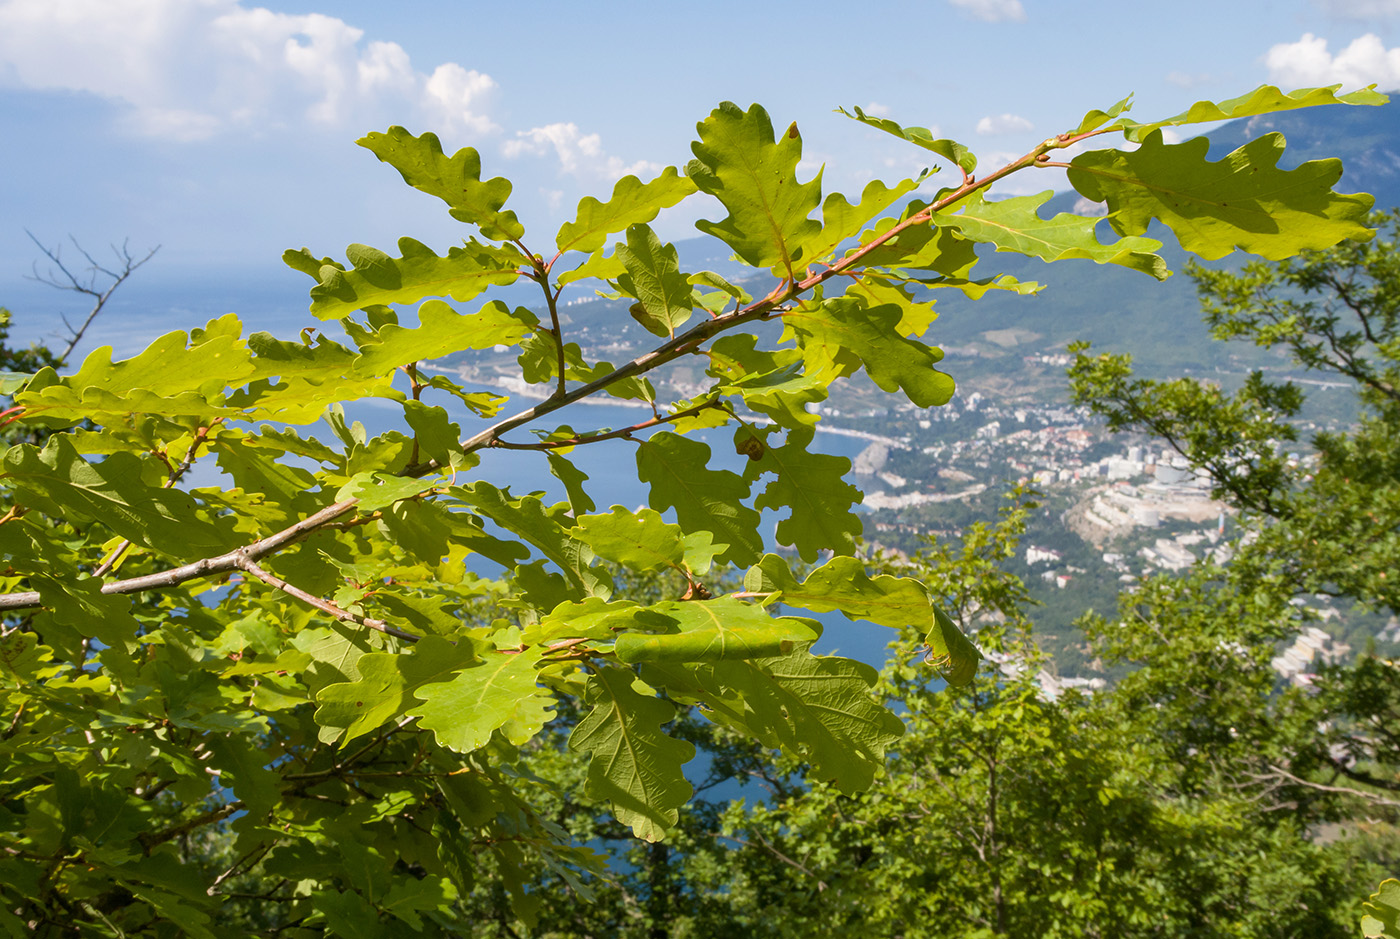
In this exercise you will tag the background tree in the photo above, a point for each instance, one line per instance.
(99, 283)
(290, 701)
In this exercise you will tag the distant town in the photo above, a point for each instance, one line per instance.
(1114, 508)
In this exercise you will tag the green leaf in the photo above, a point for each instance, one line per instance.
(919, 137)
(378, 278)
(755, 178)
(58, 481)
(385, 685)
(498, 692)
(546, 530)
(640, 540)
(1242, 201)
(1266, 99)
(80, 603)
(632, 202)
(1382, 916)
(481, 403)
(598, 265)
(634, 765)
(839, 334)
(677, 470)
(705, 630)
(711, 279)
(950, 650)
(842, 584)
(819, 709)
(842, 221)
(772, 382)
(812, 486)
(455, 180)
(380, 490)
(443, 331)
(573, 479)
(1015, 225)
(664, 295)
(437, 436)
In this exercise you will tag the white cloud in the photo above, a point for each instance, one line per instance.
(1359, 9)
(1003, 124)
(579, 154)
(877, 110)
(191, 69)
(992, 11)
(1307, 62)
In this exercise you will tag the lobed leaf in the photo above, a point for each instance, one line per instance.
(707, 630)
(755, 178)
(813, 488)
(819, 709)
(664, 295)
(496, 693)
(677, 470)
(632, 202)
(838, 335)
(919, 137)
(549, 531)
(637, 540)
(634, 765)
(384, 686)
(455, 180)
(1015, 225)
(58, 481)
(378, 278)
(842, 584)
(1266, 99)
(1241, 201)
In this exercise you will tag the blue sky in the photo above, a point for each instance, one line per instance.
(223, 130)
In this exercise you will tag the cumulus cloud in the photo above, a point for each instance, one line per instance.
(1003, 124)
(192, 70)
(1359, 9)
(875, 109)
(992, 11)
(1307, 62)
(579, 154)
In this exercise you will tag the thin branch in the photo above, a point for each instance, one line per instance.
(251, 567)
(199, 821)
(581, 439)
(176, 472)
(129, 265)
(225, 563)
(1276, 771)
(795, 865)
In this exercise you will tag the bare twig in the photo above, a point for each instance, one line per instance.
(1278, 772)
(126, 266)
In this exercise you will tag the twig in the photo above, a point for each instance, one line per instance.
(251, 567)
(581, 439)
(1374, 799)
(225, 563)
(129, 266)
(175, 473)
